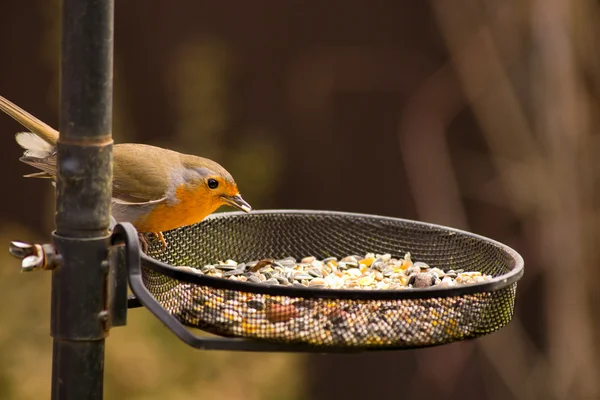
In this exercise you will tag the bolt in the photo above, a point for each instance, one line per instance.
(103, 316)
(105, 266)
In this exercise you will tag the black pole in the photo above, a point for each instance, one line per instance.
(84, 175)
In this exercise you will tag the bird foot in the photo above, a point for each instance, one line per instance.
(145, 243)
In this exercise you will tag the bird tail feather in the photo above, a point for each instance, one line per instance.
(34, 146)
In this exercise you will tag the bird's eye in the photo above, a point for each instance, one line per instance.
(213, 183)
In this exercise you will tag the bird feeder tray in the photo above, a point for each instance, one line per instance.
(280, 318)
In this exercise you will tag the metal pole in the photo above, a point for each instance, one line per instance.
(83, 192)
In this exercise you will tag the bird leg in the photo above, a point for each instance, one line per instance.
(160, 237)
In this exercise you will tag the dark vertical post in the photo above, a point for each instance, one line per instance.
(84, 176)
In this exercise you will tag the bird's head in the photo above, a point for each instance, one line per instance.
(211, 186)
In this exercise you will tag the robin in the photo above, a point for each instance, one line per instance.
(153, 188)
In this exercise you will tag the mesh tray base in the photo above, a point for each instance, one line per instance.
(325, 317)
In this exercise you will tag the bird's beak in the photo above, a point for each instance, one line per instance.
(237, 202)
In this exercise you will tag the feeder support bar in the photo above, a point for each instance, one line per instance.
(83, 193)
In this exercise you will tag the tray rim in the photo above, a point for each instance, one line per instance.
(497, 283)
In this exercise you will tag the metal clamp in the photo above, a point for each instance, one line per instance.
(45, 257)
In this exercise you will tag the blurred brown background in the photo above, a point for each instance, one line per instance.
(482, 115)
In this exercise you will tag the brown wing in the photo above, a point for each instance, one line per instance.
(141, 172)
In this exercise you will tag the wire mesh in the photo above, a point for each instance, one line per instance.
(327, 317)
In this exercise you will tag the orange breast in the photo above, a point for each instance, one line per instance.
(192, 207)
